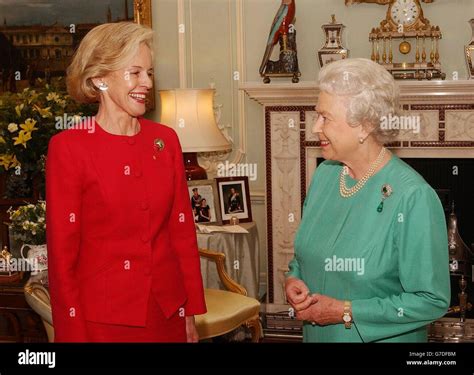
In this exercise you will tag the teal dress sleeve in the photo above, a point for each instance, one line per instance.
(294, 269)
(420, 238)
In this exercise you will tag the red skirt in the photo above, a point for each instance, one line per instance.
(157, 329)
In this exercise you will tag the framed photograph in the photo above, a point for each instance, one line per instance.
(234, 198)
(38, 39)
(204, 202)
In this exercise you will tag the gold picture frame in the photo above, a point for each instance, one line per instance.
(142, 12)
(142, 16)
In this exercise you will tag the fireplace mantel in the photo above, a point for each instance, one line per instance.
(446, 113)
(307, 92)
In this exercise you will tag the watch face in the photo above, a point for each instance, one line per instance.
(405, 12)
(346, 318)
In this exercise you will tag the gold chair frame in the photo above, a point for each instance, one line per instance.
(253, 323)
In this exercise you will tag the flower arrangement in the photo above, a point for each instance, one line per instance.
(28, 120)
(28, 223)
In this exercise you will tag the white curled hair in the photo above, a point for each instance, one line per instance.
(371, 92)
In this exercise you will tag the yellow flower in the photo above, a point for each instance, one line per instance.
(45, 113)
(12, 127)
(22, 138)
(52, 96)
(15, 162)
(61, 102)
(29, 125)
(2, 140)
(18, 109)
(8, 161)
(33, 97)
(5, 161)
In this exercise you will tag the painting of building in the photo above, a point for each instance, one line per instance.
(36, 47)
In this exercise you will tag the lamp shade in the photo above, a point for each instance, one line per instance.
(190, 113)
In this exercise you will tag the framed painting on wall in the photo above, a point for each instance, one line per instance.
(39, 40)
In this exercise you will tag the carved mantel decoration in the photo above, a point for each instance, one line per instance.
(446, 112)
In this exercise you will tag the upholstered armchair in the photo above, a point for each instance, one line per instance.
(227, 309)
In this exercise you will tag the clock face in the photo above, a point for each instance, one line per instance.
(405, 12)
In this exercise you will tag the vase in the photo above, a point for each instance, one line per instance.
(37, 258)
(470, 52)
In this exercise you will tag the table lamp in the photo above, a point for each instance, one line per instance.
(190, 113)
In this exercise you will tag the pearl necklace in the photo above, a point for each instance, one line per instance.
(344, 191)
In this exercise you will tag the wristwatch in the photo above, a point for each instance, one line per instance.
(347, 317)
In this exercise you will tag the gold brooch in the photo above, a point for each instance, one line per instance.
(159, 144)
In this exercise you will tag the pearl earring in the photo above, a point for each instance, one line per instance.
(361, 140)
(103, 86)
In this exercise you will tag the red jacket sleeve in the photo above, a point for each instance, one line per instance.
(183, 237)
(63, 218)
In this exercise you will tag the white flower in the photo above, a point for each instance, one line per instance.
(12, 127)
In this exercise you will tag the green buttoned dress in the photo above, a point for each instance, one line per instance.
(392, 265)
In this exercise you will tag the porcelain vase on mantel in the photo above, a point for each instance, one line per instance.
(470, 52)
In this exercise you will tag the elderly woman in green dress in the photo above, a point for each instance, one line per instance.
(371, 253)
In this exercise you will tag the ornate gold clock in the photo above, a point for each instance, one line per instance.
(417, 55)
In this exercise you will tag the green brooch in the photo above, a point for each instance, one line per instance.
(386, 192)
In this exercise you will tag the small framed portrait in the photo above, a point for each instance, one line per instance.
(234, 198)
(204, 202)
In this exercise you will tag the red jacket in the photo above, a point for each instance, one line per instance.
(119, 227)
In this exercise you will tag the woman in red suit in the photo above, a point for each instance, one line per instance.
(123, 258)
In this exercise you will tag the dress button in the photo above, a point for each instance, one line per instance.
(131, 141)
(144, 206)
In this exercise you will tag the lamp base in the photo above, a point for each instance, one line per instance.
(193, 170)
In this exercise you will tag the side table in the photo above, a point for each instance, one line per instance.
(242, 258)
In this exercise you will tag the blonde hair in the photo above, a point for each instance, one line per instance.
(105, 49)
(371, 92)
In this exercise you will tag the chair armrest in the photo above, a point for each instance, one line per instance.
(219, 258)
(37, 296)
